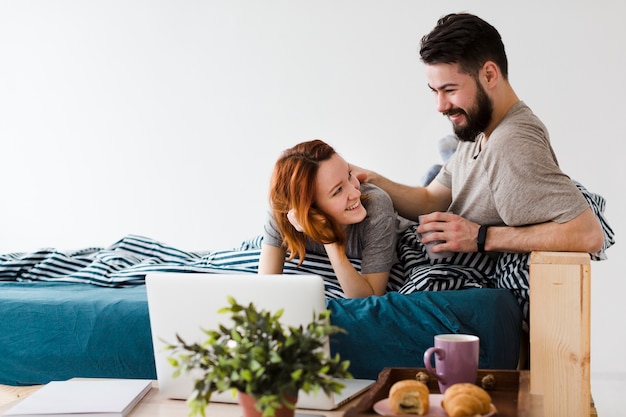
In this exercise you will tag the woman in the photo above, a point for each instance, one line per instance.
(319, 207)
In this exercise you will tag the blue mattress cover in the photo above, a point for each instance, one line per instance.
(56, 331)
(396, 329)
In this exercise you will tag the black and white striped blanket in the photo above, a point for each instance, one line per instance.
(126, 262)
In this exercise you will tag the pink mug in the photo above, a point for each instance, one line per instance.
(456, 359)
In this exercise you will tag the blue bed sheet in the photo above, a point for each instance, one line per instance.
(396, 329)
(57, 330)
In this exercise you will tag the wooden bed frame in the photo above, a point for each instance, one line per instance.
(560, 327)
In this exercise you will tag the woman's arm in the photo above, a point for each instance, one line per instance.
(354, 284)
(272, 260)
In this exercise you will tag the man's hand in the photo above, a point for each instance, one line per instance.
(458, 234)
(363, 175)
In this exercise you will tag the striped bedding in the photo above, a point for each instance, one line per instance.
(126, 262)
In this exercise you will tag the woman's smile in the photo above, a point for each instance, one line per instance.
(354, 206)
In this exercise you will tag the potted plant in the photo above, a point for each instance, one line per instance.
(260, 357)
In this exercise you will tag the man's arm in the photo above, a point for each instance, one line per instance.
(409, 201)
(581, 234)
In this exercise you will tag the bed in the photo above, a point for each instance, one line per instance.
(84, 314)
(58, 330)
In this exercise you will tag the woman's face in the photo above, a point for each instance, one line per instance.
(338, 194)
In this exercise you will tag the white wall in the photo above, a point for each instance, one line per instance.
(164, 118)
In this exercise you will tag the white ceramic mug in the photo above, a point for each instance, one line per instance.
(429, 245)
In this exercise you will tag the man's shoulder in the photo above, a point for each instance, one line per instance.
(521, 123)
(521, 113)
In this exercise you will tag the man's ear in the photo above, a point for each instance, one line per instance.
(490, 73)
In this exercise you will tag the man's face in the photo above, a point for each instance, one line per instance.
(460, 98)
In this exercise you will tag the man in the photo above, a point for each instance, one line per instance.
(502, 190)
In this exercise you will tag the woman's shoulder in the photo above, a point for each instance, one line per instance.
(375, 196)
(371, 189)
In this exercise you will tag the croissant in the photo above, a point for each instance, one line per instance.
(465, 399)
(409, 396)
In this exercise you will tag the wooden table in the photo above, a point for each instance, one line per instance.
(155, 405)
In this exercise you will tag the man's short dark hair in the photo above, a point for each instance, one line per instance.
(464, 39)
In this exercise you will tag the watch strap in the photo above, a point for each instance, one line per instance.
(482, 237)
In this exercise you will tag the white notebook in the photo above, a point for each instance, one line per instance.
(83, 398)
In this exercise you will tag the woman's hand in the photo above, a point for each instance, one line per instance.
(291, 216)
(314, 216)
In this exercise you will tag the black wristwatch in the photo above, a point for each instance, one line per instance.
(482, 236)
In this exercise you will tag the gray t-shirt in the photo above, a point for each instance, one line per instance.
(515, 180)
(373, 240)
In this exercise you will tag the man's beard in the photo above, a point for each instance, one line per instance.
(478, 118)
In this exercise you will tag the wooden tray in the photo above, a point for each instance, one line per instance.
(504, 391)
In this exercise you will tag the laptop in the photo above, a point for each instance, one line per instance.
(185, 303)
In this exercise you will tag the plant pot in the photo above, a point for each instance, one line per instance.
(248, 406)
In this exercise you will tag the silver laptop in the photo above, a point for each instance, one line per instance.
(186, 303)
